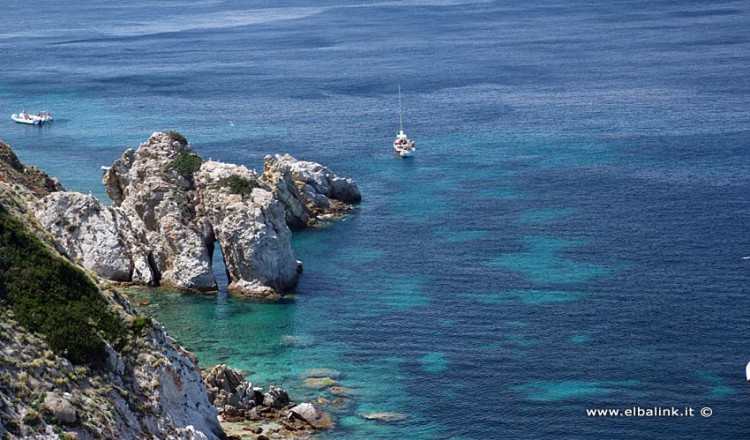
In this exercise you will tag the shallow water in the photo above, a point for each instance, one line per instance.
(570, 234)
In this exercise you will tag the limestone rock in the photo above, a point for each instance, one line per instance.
(117, 178)
(224, 378)
(276, 398)
(151, 389)
(28, 178)
(171, 207)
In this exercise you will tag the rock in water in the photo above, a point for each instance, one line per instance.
(250, 226)
(308, 189)
(171, 208)
(313, 415)
(318, 383)
(276, 398)
(385, 416)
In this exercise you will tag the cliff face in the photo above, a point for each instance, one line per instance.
(75, 357)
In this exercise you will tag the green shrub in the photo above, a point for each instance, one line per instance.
(237, 184)
(177, 136)
(52, 297)
(140, 323)
(185, 164)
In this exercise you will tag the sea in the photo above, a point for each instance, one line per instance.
(572, 234)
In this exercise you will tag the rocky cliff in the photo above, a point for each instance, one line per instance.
(171, 208)
(76, 360)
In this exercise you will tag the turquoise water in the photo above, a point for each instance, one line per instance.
(570, 234)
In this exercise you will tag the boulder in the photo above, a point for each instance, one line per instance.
(223, 378)
(276, 398)
(61, 408)
(313, 415)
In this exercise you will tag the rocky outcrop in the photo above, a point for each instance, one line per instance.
(154, 189)
(249, 225)
(61, 408)
(240, 402)
(171, 209)
(308, 189)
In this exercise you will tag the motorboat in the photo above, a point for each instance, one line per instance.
(38, 119)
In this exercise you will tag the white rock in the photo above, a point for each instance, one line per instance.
(88, 231)
(251, 230)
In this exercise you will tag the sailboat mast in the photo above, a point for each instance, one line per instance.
(400, 111)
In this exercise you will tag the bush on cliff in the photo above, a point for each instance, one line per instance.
(177, 136)
(52, 297)
(237, 184)
(185, 164)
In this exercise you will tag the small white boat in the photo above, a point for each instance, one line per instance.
(37, 119)
(747, 371)
(403, 146)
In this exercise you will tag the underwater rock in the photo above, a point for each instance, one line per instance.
(384, 416)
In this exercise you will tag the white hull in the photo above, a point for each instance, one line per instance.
(29, 121)
(409, 152)
(747, 371)
(37, 119)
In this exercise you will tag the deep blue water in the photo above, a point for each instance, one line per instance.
(571, 234)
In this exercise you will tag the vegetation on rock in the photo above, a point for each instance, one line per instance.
(237, 184)
(177, 136)
(52, 297)
(186, 164)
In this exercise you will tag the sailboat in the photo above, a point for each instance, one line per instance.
(403, 145)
